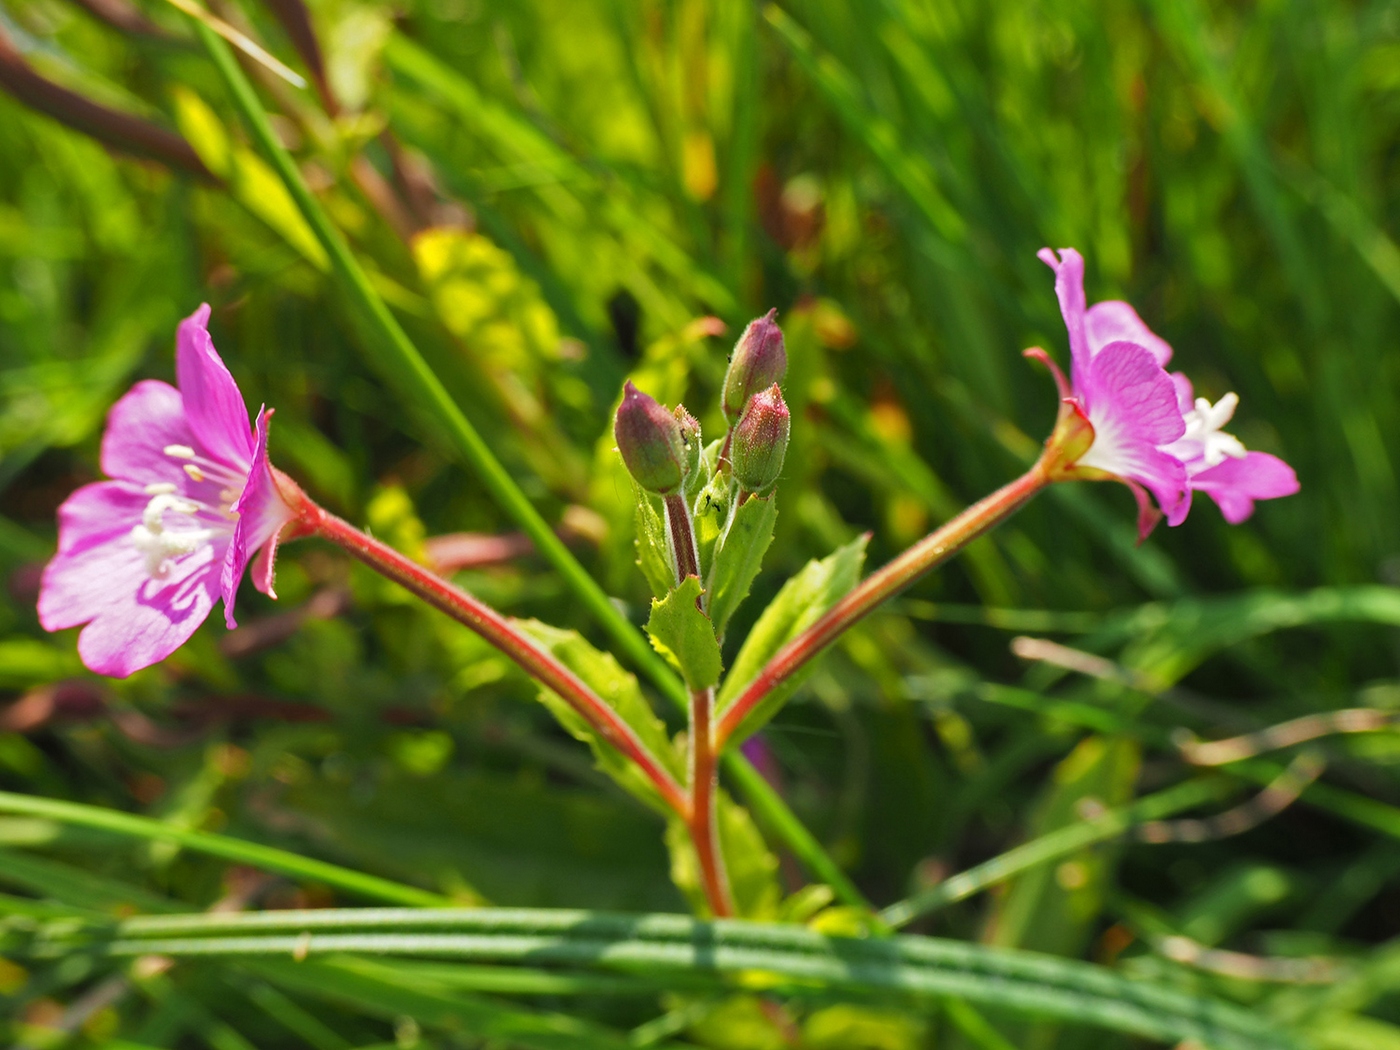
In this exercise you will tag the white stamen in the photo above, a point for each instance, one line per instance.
(160, 488)
(1203, 424)
(160, 544)
(155, 510)
(194, 472)
(179, 451)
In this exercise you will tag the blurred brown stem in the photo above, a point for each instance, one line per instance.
(120, 15)
(121, 131)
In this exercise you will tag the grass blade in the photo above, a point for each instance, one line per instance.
(267, 858)
(794, 957)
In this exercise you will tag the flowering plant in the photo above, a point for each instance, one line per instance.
(193, 497)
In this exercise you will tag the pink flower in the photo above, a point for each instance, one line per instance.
(1218, 464)
(142, 558)
(1143, 427)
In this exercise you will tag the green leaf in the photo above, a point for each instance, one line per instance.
(739, 557)
(251, 180)
(78, 887)
(203, 129)
(1168, 640)
(1052, 908)
(255, 854)
(803, 599)
(384, 991)
(683, 635)
(751, 867)
(653, 555)
(792, 958)
(619, 689)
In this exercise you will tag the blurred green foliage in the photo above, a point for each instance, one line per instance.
(555, 196)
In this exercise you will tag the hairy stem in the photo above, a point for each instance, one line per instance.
(685, 555)
(536, 661)
(878, 587)
(704, 831)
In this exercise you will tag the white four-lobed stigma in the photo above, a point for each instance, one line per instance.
(1203, 424)
(160, 541)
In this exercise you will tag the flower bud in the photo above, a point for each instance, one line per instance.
(651, 442)
(759, 361)
(759, 441)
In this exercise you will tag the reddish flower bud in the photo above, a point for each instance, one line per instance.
(759, 441)
(651, 442)
(759, 360)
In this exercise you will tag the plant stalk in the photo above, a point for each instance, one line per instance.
(704, 830)
(685, 555)
(879, 587)
(399, 360)
(500, 632)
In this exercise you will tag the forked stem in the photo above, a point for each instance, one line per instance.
(881, 585)
(533, 659)
(702, 771)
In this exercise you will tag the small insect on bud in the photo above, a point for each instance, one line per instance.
(760, 441)
(759, 361)
(651, 442)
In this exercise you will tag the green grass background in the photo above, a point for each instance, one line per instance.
(603, 176)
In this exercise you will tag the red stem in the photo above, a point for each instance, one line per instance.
(537, 662)
(879, 586)
(704, 832)
(682, 537)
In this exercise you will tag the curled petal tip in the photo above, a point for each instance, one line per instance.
(1062, 384)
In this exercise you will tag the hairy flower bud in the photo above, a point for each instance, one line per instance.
(759, 441)
(759, 361)
(651, 442)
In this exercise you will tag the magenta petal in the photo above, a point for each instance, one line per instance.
(213, 404)
(148, 419)
(1127, 383)
(99, 578)
(1185, 392)
(1115, 322)
(1069, 289)
(95, 517)
(147, 619)
(1236, 483)
(1148, 515)
(261, 514)
(1163, 475)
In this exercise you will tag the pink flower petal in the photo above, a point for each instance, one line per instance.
(1185, 392)
(261, 514)
(1236, 483)
(148, 619)
(1069, 289)
(148, 419)
(1117, 322)
(1148, 514)
(213, 405)
(98, 577)
(96, 516)
(1127, 383)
